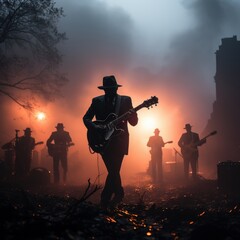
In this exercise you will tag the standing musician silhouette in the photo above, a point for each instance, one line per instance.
(117, 146)
(189, 143)
(156, 144)
(24, 147)
(59, 151)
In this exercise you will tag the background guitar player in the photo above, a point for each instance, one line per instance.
(189, 143)
(59, 151)
(156, 144)
(24, 146)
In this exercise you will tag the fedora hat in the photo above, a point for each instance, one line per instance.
(59, 125)
(188, 125)
(109, 82)
(27, 130)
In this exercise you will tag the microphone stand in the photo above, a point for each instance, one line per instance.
(176, 162)
(177, 153)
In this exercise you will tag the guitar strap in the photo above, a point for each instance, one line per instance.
(117, 108)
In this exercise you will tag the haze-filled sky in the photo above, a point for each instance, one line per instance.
(163, 48)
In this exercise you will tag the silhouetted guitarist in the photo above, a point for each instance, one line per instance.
(189, 143)
(58, 144)
(156, 144)
(113, 153)
(23, 147)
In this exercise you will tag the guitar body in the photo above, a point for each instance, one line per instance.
(189, 150)
(98, 139)
(53, 149)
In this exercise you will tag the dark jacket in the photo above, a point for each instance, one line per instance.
(155, 143)
(61, 140)
(25, 146)
(100, 110)
(189, 143)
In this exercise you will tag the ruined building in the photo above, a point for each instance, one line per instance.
(225, 117)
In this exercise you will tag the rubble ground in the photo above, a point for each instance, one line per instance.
(196, 211)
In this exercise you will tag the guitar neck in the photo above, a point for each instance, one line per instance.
(210, 134)
(126, 115)
(205, 137)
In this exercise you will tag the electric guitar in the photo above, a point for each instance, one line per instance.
(152, 151)
(189, 149)
(38, 143)
(58, 149)
(98, 140)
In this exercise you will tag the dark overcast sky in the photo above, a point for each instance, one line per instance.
(131, 40)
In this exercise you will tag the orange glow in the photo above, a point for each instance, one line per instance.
(169, 116)
(148, 123)
(40, 116)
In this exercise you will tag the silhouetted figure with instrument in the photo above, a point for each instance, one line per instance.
(105, 139)
(58, 144)
(156, 144)
(24, 146)
(189, 143)
(9, 155)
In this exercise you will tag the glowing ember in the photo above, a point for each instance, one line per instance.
(201, 214)
(148, 233)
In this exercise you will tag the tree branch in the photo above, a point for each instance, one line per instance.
(28, 107)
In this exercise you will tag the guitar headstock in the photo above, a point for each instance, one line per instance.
(148, 103)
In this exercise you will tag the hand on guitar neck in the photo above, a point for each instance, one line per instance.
(131, 111)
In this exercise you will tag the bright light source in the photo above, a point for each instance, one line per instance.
(148, 123)
(40, 116)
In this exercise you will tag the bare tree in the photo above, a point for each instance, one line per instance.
(29, 57)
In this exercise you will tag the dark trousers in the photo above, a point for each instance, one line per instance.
(22, 166)
(113, 184)
(63, 159)
(193, 160)
(157, 169)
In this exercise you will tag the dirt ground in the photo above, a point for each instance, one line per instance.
(198, 210)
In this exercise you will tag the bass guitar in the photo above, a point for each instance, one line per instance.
(189, 149)
(98, 140)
